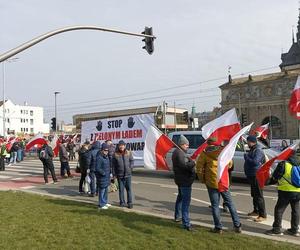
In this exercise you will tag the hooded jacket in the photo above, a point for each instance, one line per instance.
(95, 149)
(84, 159)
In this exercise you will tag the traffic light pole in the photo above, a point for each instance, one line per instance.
(38, 39)
(55, 114)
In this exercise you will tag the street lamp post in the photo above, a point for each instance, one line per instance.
(3, 91)
(55, 114)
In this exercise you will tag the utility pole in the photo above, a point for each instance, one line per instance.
(55, 114)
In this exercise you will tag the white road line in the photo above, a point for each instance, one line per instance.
(5, 177)
(26, 170)
(27, 187)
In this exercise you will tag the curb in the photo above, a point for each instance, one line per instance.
(202, 224)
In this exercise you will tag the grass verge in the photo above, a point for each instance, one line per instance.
(30, 221)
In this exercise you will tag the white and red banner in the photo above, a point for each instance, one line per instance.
(131, 129)
(263, 174)
(226, 156)
(223, 128)
(294, 104)
(36, 140)
(55, 144)
(261, 131)
(156, 147)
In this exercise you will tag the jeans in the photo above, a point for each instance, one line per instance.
(214, 196)
(13, 158)
(19, 155)
(103, 197)
(93, 182)
(48, 165)
(64, 166)
(82, 180)
(284, 199)
(258, 197)
(125, 183)
(2, 163)
(182, 205)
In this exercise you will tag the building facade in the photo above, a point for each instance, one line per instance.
(22, 119)
(264, 98)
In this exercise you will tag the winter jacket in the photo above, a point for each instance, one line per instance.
(102, 170)
(253, 160)
(63, 154)
(84, 159)
(184, 168)
(3, 152)
(48, 151)
(95, 149)
(122, 163)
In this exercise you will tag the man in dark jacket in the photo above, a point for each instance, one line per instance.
(84, 163)
(122, 163)
(46, 156)
(253, 161)
(102, 172)
(184, 174)
(95, 149)
(64, 160)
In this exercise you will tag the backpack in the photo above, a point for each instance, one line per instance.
(43, 155)
(295, 176)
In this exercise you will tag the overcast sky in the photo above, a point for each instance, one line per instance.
(196, 41)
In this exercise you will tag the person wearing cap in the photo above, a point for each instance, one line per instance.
(102, 171)
(253, 161)
(122, 163)
(207, 172)
(288, 194)
(184, 176)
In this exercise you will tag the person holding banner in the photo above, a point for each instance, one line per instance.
(287, 194)
(207, 171)
(253, 161)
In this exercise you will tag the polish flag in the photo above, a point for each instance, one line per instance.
(294, 104)
(55, 145)
(10, 143)
(38, 139)
(74, 138)
(263, 173)
(226, 156)
(223, 128)
(261, 131)
(156, 147)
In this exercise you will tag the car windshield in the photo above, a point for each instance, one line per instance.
(194, 140)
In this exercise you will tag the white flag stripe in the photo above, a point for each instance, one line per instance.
(228, 118)
(150, 145)
(227, 153)
(297, 85)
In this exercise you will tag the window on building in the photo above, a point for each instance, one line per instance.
(8, 120)
(26, 112)
(31, 130)
(21, 129)
(26, 120)
(21, 111)
(31, 112)
(26, 129)
(31, 121)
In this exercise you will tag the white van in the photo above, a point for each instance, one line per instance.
(195, 139)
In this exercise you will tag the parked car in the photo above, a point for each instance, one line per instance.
(195, 138)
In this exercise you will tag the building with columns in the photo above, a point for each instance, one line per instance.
(264, 98)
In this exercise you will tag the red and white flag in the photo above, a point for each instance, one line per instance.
(261, 131)
(156, 147)
(226, 156)
(223, 128)
(294, 104)
(10, 143)
(38, 139)
(74, 138)
(55, 145)
(263, 173)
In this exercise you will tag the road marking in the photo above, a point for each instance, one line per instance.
(5, 177)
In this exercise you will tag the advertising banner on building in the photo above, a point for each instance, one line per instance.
(131, 129)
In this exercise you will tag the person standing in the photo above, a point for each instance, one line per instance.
(46, 156)
(95, 150)
(288, 194)
(207, 171)
(3, 154)
(84, 163)
(253, 161)
(184, 176)
(13, 153)
(122, 163)
(64, 161)
(102, 172)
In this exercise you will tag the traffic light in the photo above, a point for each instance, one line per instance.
(185, 116)
(149, 41)
(53, 124)
(244, 118)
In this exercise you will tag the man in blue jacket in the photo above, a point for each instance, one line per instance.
(102, 172)
(253, 161)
